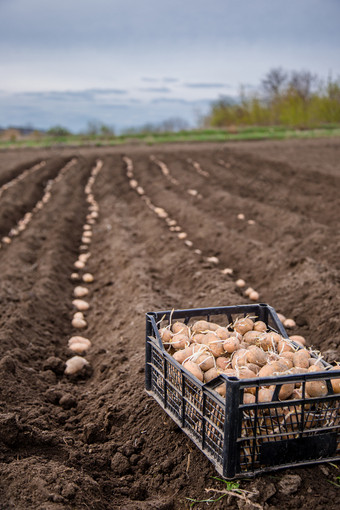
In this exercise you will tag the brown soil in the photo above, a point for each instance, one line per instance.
(107, 444)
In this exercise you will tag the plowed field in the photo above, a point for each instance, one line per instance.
(96, 440)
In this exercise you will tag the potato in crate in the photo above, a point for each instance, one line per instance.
(250, 398)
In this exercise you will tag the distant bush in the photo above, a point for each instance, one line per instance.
(171, 125)
(299, 100)
(58, 131)
(95, 128)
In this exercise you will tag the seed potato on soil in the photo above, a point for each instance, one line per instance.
(111, 446)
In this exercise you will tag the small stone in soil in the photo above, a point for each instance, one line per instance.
(67, 401)
(289, 484)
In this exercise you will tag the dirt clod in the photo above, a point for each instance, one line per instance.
(67, 401)
(9, 428)
(120, 464)
(54, 364)
(289, 484)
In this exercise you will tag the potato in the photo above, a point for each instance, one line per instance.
(287, 355)
(231, 345)
(298, 370)
(206, 361)
(222, 333)
(285, 346)
(230, 372)
(223, 363)
(79, 348)
(88, 278)
(289, 323)
(200, 326)
(75, 364)
(254, 295)
(260, 326)
(316, 368)
(301, 358)
(179, 327)
(243, 325)
(265, 394)
(239, 358)
(80, 292)
(182, 354)
(298, 339)
(179, 341)
(269, 341)
(335, 382)
(317, 362)
(194, 369)
(289, 364)
(254, 368)
(297, 394)
(81, 305)
(286, 391)
(79, 323)
(257, 356)
(272, 369)
(248, 291)
(252, 337)
(209, 375)
(165, 335)
(249, 398)
(240, 283)
(221, 390)
(198, 338)
(78, 315)
(213, 326)
(215, 345)
(245, 373)
(316, 388)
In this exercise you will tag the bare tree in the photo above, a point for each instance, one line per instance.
(274, 81)
(303, 83)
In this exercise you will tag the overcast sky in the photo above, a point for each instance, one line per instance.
(126, 62)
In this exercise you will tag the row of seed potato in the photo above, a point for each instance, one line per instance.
(27, 218)
(80, 344)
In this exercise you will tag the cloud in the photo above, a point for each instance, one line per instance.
(150, 80)
(176, 100)
(180, 101)
(170, 80)
(87, 94)
(160, 90)
(206, 85)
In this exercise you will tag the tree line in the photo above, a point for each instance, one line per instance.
(298, 99)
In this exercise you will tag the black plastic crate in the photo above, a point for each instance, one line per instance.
(240, 439)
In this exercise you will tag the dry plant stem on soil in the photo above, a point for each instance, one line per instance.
(232, 490)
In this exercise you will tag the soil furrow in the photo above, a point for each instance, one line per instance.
(97, 440)
(22, 197)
